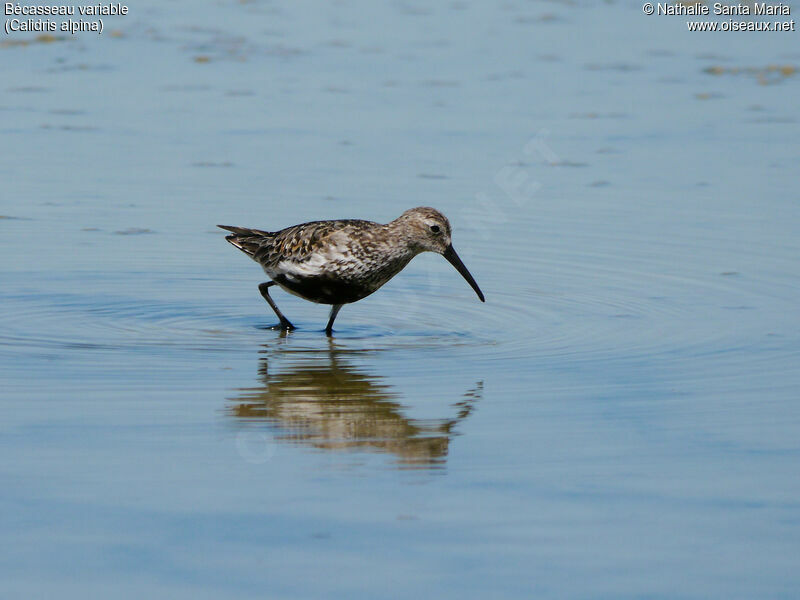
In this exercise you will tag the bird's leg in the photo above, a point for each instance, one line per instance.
(334, 312)
(264, 289)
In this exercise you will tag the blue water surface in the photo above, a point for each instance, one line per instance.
(620, 418)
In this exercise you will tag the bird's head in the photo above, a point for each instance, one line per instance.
(428, 230)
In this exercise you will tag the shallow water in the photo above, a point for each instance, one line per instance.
(620, 418)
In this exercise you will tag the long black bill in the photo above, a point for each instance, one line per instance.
(452, 258)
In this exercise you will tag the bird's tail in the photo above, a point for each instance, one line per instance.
(246, 240)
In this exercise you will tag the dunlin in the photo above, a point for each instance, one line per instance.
(339, 262)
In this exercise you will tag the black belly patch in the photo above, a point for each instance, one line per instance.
(324, 290)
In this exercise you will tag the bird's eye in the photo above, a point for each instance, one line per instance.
(435, 228)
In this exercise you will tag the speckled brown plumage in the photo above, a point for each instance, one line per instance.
(343, 261)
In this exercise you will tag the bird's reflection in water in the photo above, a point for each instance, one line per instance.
(324, 402)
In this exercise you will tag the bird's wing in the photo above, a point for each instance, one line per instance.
(305, 248)
(299, 247)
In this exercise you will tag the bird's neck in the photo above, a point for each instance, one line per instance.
(401, 238)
